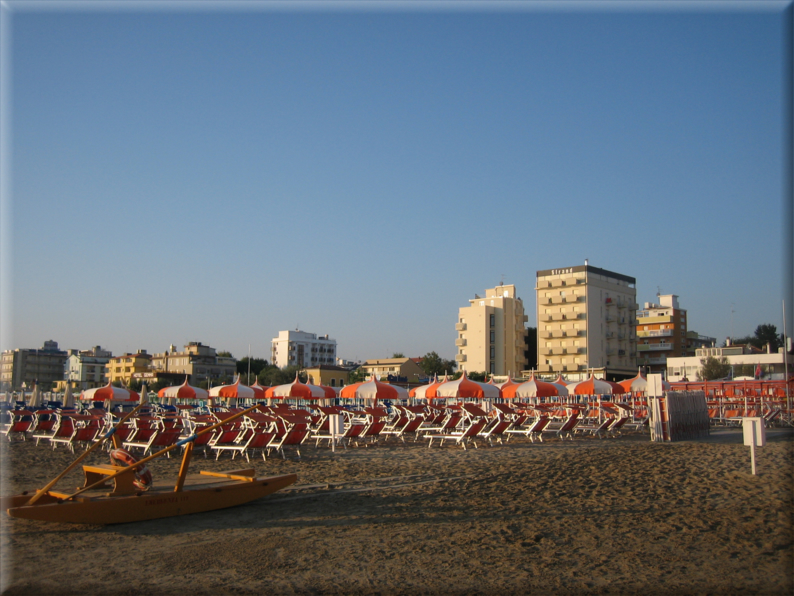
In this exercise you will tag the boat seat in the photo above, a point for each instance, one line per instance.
(122, 484)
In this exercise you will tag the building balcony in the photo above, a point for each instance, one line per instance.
(460, 326)
(460, 357)
(541, 316)
(647, 361)
(570, 299)
(460, 342)
(654, 347)
(559, 351)
(545, 351)
(557, 283)
(557, 333)
(573, 367)
(609, 302)
(655, 333)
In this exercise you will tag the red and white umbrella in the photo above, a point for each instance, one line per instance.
(183, 391)
(639, 384)
(233, 391)
(374, 390)
(465, 387)
(593, 386)
(259, 390)
(295, 390)
(533, 388)
(109, 393)
(330, 392)
(421, 391)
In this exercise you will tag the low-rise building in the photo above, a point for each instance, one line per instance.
(404, 370)
(661, 333)
(22, 368)
(298, 348)
(128, 366)
(86, 369)
(197, 361)
(745, 361)
(329, 375)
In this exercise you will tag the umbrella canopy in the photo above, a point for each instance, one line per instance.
(233, 391)
(640, 384)
(373, 389)
(533, 388)
(421, 391)
(68, 396)
(295, 390)
(508, 383)
(465, 387)
(593, 386)
(35, 397)
(259, 390)
(330, 392)
(109, 393)
(183, 391)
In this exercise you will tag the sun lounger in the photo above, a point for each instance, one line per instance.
(496, 430)
(461, 438)
(567, 427)
(293, 436)
(534, 430)
(160, 439)
(614, 429)
(21, 423)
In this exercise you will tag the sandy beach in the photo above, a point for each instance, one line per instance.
(611, 516)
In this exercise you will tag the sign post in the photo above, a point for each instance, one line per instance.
(754, 436)
(336, 428)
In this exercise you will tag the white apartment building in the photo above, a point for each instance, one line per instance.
(586, 322)
(492, 333)
(85, 369)
(298, 348)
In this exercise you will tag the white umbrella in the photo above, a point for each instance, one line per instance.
(68, 396)
(144, 394)
(35, 398)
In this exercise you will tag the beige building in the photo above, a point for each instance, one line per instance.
(586, 319)
(400, 369)
(299, 348)
(123, 368)
(492, 333)
(198, 361)
(329, 375)
(23, 368)
(661, 334)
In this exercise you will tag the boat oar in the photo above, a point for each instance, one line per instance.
(162, 452)
(71, 467)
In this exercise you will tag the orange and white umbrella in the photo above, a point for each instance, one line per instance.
(374, 390)
(465, 387)
(183, 391)
(593, 386)
(639, 384)
(109, 393)
(421, 391)
(532, 388)
(295, 390)
(233, 391)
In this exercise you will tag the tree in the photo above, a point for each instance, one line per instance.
(712, 368)
(767, 334)
(257, 364)
(357, 375)
(224, 354)
(433, 364)
(273, 375)
(398, 355)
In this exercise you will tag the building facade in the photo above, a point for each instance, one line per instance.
(743, 360)
(197, 361)
(329, 375)
(298, 348)
(405, 370)
(22, 368)
(586, 318)
(492, 333)
(127, 366)
(86, 369)
(661, 334)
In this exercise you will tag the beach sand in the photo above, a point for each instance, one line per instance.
(611, 516)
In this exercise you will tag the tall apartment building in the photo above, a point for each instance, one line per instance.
(298, 348)
(85, 369)
(661, 333)
(197, 361)
(23, 367)
(586, 318)
(492, 333)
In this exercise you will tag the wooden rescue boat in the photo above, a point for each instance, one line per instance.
(126, 502)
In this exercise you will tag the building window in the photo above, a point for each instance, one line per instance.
(493, 336)
(493, 321)
(493, 352)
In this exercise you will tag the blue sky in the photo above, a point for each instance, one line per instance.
(217, 175)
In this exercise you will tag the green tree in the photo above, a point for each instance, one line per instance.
(357, 375)
(433, 364)
(767, 334)
(712, 368)
(224, 354)
(257, 364)
(398, 355)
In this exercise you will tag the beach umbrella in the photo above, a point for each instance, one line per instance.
(533, 388)
(419, 392)
(639, 384)
(109, 393)
(144, 397)
(68, 396)
(234, 391)
(593, 386)
(463, 388)
(374, 390)
(35, 397)
(508, 383)
(259, 390)
(330, 392)
(183, 391)
(295, 390)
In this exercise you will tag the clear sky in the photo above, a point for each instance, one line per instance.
(207, 173)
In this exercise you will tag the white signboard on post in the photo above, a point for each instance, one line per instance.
(655, 388)
(754, 436)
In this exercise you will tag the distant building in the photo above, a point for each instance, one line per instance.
(298, 348)
(745, 362)
(661, 333)
(329, 375)
(21, 368)
(123, 368)
(86, 369)
(695, 341)
(197, 361)
(492, 333)
(404, 370)
(586, 318)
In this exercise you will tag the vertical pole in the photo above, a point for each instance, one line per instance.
(752, 448)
